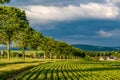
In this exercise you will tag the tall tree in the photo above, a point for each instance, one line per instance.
(51, 44)
(34, 41)
(11, 20)
(22, 39)
(45, 45)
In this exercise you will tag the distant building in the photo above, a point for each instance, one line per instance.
(101, 58)
(111, 58)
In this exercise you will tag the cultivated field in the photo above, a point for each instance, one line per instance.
(72, 70)
(16, 66)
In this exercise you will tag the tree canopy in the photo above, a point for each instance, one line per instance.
(4, 1)
(11, 21)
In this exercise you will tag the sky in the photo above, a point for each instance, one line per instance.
(92, 22)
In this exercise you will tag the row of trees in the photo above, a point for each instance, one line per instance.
(14, 27)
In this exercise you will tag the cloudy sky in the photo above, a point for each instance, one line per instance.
(94, 22)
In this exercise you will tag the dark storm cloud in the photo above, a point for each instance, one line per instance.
(93, 22)
(86, 31)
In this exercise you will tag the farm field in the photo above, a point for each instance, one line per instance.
(16, 65)
(59, 40)
(72, 70)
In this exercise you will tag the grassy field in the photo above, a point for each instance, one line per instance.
(66, 70)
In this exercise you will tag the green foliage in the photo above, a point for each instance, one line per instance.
(9, 22)
(58, 49)
(35, 39)
(87, 57)
(96, 58)
(12, 20)
(16, 54)
(96, 55)
(22, 38)
(4, 1)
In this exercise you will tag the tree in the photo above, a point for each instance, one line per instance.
(22, 39)
(35, 40)
(51, 45)
(4, 1)
(60, 49)
(11, 21)
(48, 44)
(44, 45)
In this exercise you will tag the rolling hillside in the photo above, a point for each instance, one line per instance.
(81, 46)
(95, 48)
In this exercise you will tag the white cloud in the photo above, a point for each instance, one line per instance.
(45, 14)
(45, 27)
(105, 34)
(113, 1)
(113, 33)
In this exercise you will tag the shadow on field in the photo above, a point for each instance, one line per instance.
(10, 63)
(4, 75)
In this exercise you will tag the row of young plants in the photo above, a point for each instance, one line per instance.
(9, 72)
(73, 70)
(11, 68)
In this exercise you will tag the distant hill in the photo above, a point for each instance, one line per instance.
(81, 46)
(95, 48)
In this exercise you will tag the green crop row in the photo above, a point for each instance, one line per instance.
(73, 70)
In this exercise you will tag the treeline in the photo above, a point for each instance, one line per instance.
(101, 53)
(95, 55)
(14, 27)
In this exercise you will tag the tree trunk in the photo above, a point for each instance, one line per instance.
(56, 56)
(44, 55)
(63, 56)
(67, 57)
(8, 50)
(60, 57)
(23, 51)
(35, 55)
(50, 55)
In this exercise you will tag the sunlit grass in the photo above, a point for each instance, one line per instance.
(8, 68)
(12, 60)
